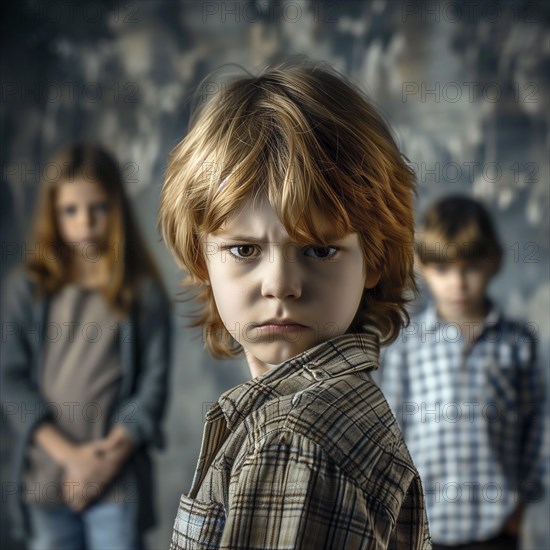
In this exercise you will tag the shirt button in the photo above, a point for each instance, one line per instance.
(320, 374)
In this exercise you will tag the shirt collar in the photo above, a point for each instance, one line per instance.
(340, 355)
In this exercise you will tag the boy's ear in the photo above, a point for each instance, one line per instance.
(372, 278)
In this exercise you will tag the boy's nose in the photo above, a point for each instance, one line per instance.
(459, 280)
(281, 278)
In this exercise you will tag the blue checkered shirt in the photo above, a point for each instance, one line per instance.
(472, 418)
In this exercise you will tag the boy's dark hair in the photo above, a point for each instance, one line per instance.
(457, 228)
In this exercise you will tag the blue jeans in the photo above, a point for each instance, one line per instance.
(101, 526)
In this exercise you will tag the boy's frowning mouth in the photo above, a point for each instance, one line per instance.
(279, 322)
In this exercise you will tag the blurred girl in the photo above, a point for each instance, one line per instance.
(84, 362)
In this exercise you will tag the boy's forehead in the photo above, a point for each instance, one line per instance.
(258, 218)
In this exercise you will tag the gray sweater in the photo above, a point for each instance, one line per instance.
(144, 350)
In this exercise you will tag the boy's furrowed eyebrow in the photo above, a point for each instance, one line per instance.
(248, 238)
(241, 238)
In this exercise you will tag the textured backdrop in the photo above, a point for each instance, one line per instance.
(464, 84)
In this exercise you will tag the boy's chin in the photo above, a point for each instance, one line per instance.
(460, 305)
(276, 352)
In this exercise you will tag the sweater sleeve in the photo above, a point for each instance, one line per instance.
(142, 412)
(22, 402)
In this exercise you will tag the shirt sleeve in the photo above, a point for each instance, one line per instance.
(411, 529)
(533, 456)
(290, 494)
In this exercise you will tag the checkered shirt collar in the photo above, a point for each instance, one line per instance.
(338, 356)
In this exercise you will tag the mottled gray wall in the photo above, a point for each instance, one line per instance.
(465, 86)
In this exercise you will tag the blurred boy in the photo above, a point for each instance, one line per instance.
(465, 388)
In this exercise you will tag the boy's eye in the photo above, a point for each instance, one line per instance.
(246, 251)
(69, 210)
(441, 268)
(323, 252)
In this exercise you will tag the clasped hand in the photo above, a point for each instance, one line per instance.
(90, 467)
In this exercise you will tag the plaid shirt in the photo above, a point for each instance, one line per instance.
(307, 455)
(472, 418)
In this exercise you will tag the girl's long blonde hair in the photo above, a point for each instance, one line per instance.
(126, 254)
(310, 140)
